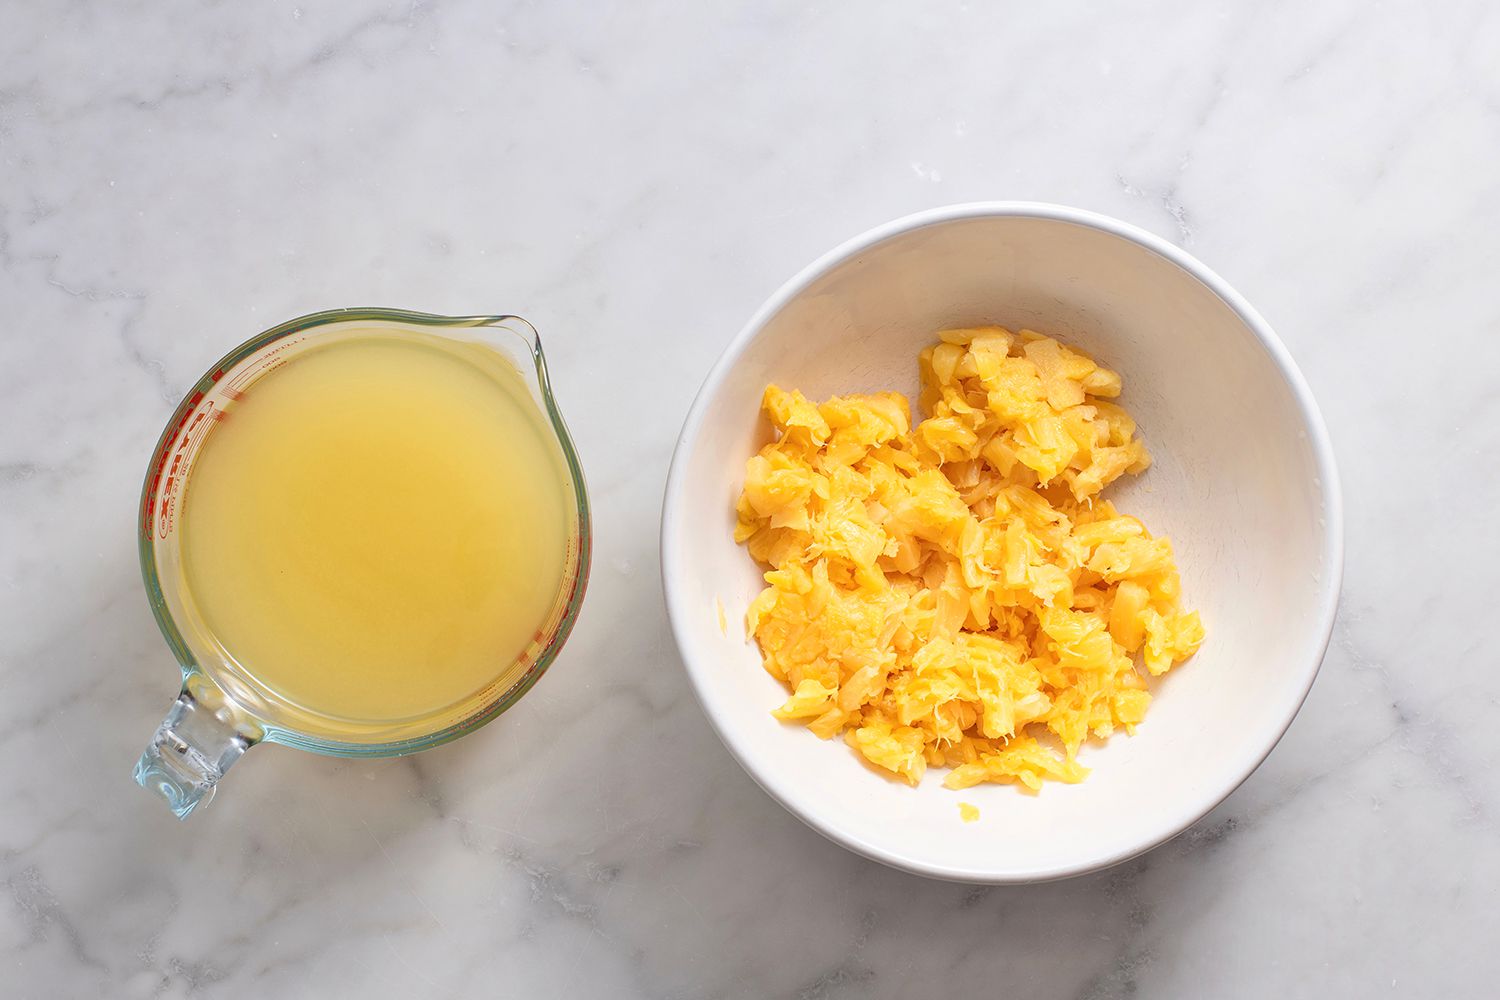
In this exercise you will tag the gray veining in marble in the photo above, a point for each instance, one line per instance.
(635, 179)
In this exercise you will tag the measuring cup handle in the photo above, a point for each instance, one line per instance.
(190, 752)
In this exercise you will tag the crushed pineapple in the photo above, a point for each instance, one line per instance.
(968, 812)
(945, 594)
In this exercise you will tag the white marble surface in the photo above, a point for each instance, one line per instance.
(175, 177)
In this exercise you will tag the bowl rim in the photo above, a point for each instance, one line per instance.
(1312, 419)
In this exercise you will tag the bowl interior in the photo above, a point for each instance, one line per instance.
(1236, 484)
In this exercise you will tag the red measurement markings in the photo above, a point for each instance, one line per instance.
(161, 463)
(184, 443)
(272, 359)
(187, 444)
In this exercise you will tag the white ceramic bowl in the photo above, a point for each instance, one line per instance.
(1243, 482)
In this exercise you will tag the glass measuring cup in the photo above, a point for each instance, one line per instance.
(223, 709)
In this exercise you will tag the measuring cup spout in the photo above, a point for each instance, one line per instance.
(190, 752)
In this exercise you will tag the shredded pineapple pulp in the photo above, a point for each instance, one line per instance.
(946, 593)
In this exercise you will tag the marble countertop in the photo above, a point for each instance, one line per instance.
(635, 180)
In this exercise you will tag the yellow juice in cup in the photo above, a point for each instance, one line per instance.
(363, 532)
(374, 529)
